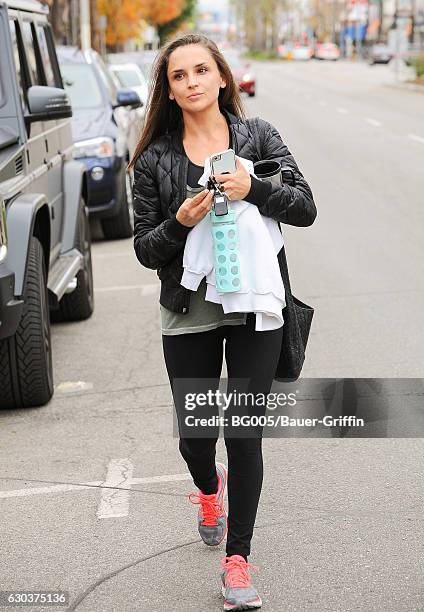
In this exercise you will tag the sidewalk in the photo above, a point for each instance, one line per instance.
(403, 78)
(405, 86)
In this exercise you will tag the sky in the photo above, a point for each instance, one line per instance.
(213, 5)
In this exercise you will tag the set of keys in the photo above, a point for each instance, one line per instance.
(220, 200)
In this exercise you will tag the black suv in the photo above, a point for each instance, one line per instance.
(45, 249)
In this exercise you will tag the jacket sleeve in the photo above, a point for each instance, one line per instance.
(156, 240)
(285, 203)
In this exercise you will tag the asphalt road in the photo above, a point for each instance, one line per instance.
(339, 525)
(360, 144)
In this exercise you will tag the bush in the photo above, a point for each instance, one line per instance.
(418, 63)
(262, 55)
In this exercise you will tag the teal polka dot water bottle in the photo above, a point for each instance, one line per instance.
(226, 254)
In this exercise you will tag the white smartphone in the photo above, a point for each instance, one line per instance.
(224, 162)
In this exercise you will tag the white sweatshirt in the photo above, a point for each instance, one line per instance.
(260, 240)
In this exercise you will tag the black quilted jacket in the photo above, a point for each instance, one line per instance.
(160, 179)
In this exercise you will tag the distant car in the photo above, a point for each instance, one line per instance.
(302, 52)
(100, 128)
(243, 73)
(380, 54)
(284, 50)
(130, 75)
(295, 51)
(143, 59)
(327, 51)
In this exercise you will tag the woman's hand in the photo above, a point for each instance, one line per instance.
(192, 210)
(236, 185)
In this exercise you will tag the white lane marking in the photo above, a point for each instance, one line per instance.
(416, 138)
(342, 111)
(115, 503)
(145, 289)
(70, 386)
(88, 485)
(373, 122)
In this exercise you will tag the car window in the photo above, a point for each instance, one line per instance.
(109, 81)
(128, 77)
(34, 68)
(19, 69)
(81, 85)
(147, 69)
(45, 56)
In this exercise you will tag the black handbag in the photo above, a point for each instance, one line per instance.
(297, 324)
(297, 315)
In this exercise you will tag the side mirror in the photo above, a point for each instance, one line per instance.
(47, 103)
(128, 97)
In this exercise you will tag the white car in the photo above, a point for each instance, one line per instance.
(327, 51)
(130, 75)
(295, 51)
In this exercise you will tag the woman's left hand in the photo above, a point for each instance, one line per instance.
(237, 184)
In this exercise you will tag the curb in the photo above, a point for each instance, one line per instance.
(405, 87)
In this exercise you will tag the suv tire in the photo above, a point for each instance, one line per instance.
(26, 370)
(79, 304)
(120, 225)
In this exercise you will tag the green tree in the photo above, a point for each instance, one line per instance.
(260, 20)
(166, 30)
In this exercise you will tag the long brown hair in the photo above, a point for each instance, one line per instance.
(164, 115)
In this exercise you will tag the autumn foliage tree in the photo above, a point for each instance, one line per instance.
(159, 12)
(124, 16)
(172, 27)
(123, 20)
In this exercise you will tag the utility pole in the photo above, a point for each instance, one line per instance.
(85, 24)
(74, 22)
(380, 19)
(413, 15)
(395, 27)
(333, 24)
(102, 28)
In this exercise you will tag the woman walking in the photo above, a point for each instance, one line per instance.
(195, 111)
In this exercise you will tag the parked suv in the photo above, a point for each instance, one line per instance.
(101, 124)
(45, 249)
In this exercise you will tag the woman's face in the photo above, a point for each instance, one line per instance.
(192, 70)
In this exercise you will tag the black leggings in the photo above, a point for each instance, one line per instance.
(251, 355)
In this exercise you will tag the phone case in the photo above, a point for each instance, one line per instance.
(227, 163)
(226, 254)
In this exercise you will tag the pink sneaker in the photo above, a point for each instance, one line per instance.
(211, 517)
(239, 594)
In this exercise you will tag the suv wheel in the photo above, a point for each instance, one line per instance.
(26, 370)
(79, 304)
(120, 226)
